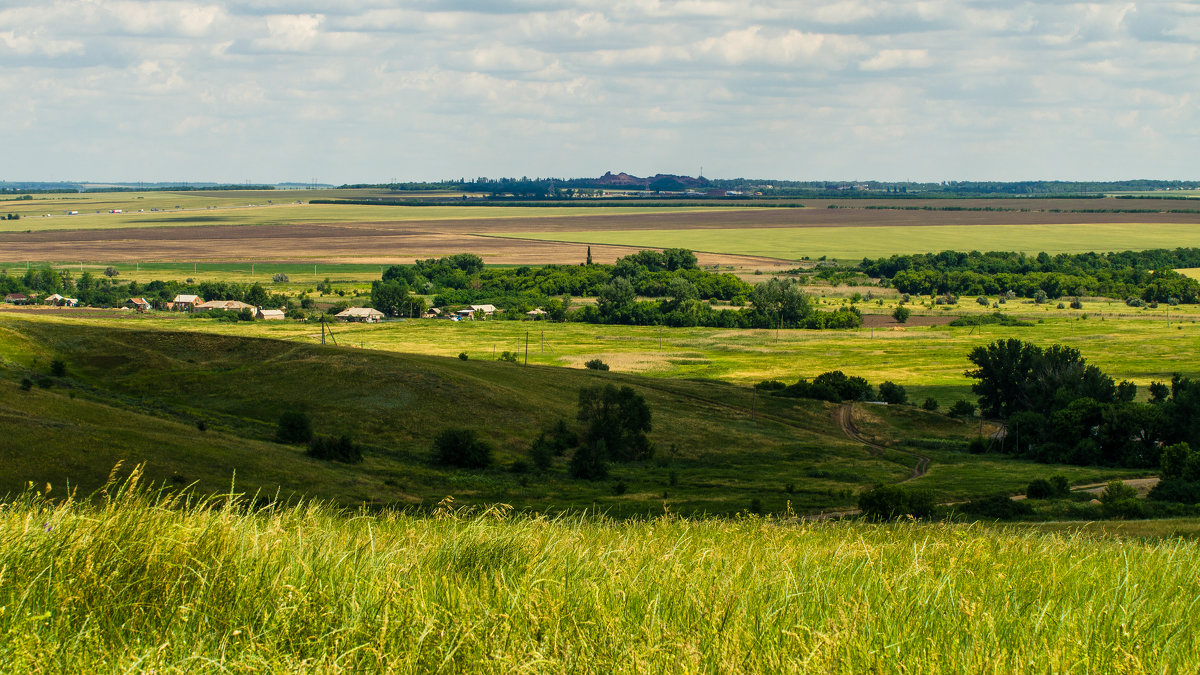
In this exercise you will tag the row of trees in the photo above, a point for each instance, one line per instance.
(1148, 275)
(106, 291)
(685, 292)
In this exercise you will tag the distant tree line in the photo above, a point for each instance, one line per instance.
(1147, 275)
(105, 291)
(684, 290)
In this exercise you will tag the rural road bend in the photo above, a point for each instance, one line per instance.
(845, 417)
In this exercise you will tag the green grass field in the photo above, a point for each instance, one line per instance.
(1128, 343)
(854, 243)
(132, 583)
(49, 212)
(136, 395)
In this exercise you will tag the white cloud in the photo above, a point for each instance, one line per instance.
(890, 59)
(466, 87)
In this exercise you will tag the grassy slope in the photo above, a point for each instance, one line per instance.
(128, 585)
(720, 445)
(853, 243)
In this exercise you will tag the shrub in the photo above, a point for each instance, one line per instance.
(510, 357)
(901, 314)
(962, 409)
(770, 385)
(930, 404)
(330, 449)
(978, 445)
(463, 356)
(111, 272)
(1120, 501)
(885, 502)
(461, 448)
(1076, 304)
(619, 488)
(982, 301)
(596, 364)
(892, 393)
(1062, 486)
(1040, 297)
(1176, 490)
(1039, 488)
(1061, 306)
(279, 278)
(997, 507)
(294, 427)
(26, 384)
(58, 368)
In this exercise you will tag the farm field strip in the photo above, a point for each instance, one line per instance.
(221, 212)
(850, 243)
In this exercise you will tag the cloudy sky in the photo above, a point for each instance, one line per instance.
(371, 90)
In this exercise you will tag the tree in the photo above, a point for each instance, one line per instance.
(892, 394)
(595, 364)
(589, 461)
(110, 271)
(901, 314)
(294, 427)
(461, 448)
(781, 301)
(616, 299)
(619, 418)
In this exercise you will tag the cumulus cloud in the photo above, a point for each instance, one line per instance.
(879, 88)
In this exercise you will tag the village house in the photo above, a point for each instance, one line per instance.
(361, 314)
(140, 304)
(17, 299)
(60, 301)
(432, 313)
(535, 314)
(185, 303)
(225, 305)
(270, 314)
(485, 310)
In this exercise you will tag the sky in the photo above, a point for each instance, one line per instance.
(372, 91)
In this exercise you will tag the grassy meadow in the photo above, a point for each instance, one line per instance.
(1141, 345)
(854, 243)
(199, 407)
(134, 582)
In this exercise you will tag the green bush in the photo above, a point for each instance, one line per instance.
(886, 502)
(1040, 488)
(901, 314)
(294, 427)
(997, 507)
(331, 449)
(463, 356)
(58, 368)
(596, 364)
(962, 409)
(461, 448)
(1176, 490)
(930, 404)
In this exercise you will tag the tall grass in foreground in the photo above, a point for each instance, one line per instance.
(134, 581)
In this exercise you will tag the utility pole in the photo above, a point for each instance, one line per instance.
(526, 347)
